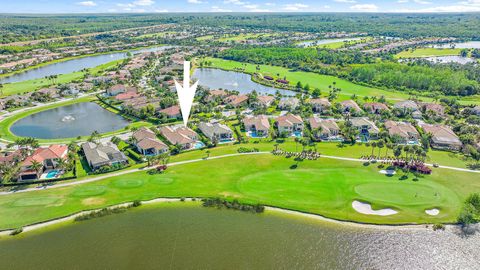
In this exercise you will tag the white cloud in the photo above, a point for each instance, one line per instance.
(365, 7)
(144, 2)
(87, 3)
(294, 7)
(270, 4)
(402, 1)
(218, 9)
(235, 2)
(463, 6)
(345, 1)
(195, 2)
(422, 2)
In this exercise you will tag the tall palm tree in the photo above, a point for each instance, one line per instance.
(61, 163)
(37, 166)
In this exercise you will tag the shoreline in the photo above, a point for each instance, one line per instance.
(271, 209)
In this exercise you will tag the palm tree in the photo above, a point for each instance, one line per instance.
(208, 153)
(61, 163)
(37, 166)
(373, 144)
(149, 160)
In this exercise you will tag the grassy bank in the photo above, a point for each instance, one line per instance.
(31, 85)
(7, 135)
(324, 186)
(428, 52)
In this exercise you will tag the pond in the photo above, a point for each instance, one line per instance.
(73, 65)
(324, 41)
(70, 121)
(232, 80)
(176, 236)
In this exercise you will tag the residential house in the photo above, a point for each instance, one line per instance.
(48, 157)
(179, 135)
(435, 108)
(350, 106)
(324, 129)
(265, 101)
(236, 101)
(214, 94)
(127, 95)
(216, 131)
(406, 105)
(476, 110)
(367, 129)
(116, 89)
(375, 107)
(442, 137)
(257, 126)
(172, 112)
(402, 132)
(288, 103)
(319, 105)
(103, 154)
(147, 143)
(290, 124)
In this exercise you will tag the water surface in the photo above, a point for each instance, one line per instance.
(232, 80)
(73, 65)
(70, 121)
(461, 45)
(191, 237)
(451, 59)
(324, 41)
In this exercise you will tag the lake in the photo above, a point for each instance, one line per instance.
(188, 236)
(461, 45)
(73, 65)
(70, 121)
(232, 80)
(324, 41)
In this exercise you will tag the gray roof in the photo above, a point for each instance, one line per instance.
(212, 129)
(103, 153)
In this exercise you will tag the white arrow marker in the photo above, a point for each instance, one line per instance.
(186, 93)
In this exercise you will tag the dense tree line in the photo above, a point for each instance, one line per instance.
(439, 78)
(27, 27)
(302, 58)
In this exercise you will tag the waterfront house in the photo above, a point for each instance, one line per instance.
(236, 100)
(288, 103)
(402, 132)
(116, 89)
(256, 126)
(290, 125)
(216, 131)
(319, 105)
(442, 137)
(179, 135)
(103, 154)
(216, 94)
(324, 129)
(406, 106)
(265, 101)
(48, 157)
(434, 108)
(147, 143)
(367, 129)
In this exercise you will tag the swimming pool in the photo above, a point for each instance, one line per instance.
(52, 174)
(253, 134)
(297, 134)
(198, 145)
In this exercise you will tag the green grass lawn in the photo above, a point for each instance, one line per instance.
(325, 187)
(427, 52)
(313, 79)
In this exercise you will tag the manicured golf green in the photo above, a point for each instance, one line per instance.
(324, 186)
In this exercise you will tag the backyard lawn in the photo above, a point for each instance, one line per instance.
(324, 186)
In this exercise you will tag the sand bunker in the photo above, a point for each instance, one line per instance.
(365, 208)
(432, 212)
(387, 172)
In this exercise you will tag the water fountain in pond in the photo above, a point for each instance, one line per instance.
(68, 118)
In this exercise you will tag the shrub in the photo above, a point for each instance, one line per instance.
(438, 226)
(136, 203)
(16, 231)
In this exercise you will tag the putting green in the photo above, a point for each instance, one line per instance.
(400, 193)
(312, 185)
(161, 180)
(89, 191)
(37, 201)
(128, 183)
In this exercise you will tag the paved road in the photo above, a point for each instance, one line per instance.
(104, 176)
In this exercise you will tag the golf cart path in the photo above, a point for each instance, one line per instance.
(101, 177)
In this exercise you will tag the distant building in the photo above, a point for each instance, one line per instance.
(375, 107)
(324, 129)
(367, 129)
(257, 126)
(216, 131)
(289, 103)
(147, 142)
(179, 135)
(350, 106)
(290, 124)
(172, 112)
(319, 105)
(403, 132)
(116, 89)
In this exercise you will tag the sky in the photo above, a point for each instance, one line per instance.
(150, 6)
